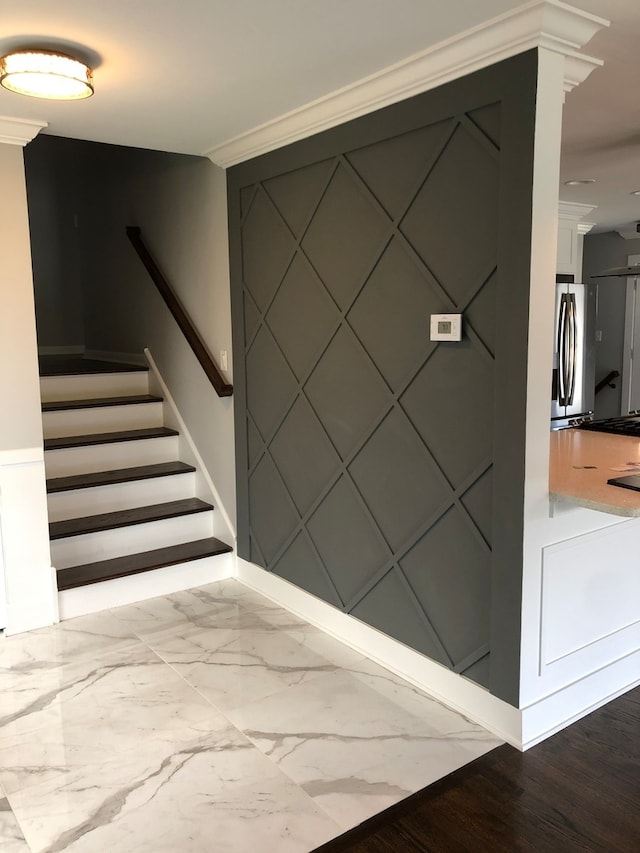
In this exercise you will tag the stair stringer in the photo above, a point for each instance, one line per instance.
(223, 527)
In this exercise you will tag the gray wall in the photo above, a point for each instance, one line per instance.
(57, 182)
(180, 204)
(601, 252)
(377, 470)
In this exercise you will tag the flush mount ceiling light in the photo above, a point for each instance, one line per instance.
(46, 74)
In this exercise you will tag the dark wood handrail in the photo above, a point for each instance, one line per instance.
(613, 374)
(223, 389)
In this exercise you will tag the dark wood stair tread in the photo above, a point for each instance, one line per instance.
(133, 564)
(119, 475)
(106, 437)
(99, 402)
(126, 517)
(73, 365)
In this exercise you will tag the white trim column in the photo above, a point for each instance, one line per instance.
(571, 231)
(564, 571)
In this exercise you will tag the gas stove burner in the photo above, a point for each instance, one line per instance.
(627, 425)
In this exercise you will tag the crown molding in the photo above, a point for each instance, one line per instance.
(575, 210)
(585, 227)
(19, 131)
(551, 24)
(629, 232)
(577, 68)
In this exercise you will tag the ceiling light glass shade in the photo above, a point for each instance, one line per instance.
(46, 74)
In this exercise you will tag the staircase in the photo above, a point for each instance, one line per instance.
(120, 502)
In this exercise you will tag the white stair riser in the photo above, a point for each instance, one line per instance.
(99, 499)
(103, 419)
(107, 457)
(92, 385)
(120, 591)
(90, 547)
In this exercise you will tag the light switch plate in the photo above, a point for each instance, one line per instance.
(446, 327)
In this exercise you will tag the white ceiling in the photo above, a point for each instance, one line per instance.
(188, 75)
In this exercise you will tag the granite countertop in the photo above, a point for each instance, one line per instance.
(582, 461)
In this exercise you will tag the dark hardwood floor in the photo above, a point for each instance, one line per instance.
(577, 791)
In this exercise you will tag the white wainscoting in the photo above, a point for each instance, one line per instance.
(27, 579)
(590, 603)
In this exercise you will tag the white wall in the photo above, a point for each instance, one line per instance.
(28, 577)
(564, 567)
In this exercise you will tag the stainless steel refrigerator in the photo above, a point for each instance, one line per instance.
(573, 385)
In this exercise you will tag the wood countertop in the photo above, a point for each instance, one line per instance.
(582, 461)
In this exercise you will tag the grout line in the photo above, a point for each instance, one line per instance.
(27, 847)
(280, 770)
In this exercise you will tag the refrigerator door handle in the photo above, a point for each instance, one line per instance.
(572, 379)
(563, 331)
(572, 349)
(567, 343)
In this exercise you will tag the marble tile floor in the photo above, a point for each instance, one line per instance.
(208, 720)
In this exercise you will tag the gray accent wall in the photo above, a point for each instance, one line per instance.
(58, 186)
(378, 470)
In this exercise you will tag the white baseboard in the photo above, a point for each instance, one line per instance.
(77, 349)
(555, 712)
(117, 357)
(453, 690)
(115, 593)
(230, 533)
